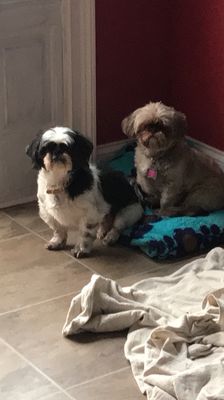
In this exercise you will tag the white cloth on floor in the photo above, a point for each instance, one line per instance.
(176, 327)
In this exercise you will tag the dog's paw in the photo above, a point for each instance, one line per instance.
(101, 233)
(105, 226)
(55, 245)
(80, 252)
(111, 237)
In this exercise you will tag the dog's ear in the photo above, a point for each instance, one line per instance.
(127, 125)
(81, 149)
(179, 124)
(32, 151)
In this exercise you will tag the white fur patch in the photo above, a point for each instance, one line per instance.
(57, 135)
(47, 162)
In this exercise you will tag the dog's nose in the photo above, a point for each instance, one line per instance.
(145, 137)
(56, 156)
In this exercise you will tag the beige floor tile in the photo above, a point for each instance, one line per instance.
(29, 273)
(37, 335)
(118, 386)
(118, 261)
(27, 215)
(159, 270)
(113, 261)
(132, 279)
(18, 380)
(9, 228)
(46, 234)
(59, 396)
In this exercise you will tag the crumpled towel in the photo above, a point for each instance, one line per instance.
(176, 327)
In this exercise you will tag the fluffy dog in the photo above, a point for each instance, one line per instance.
(73, 194)
(172, 175)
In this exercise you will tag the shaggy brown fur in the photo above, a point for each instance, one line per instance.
(174, 176)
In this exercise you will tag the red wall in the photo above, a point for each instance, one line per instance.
(131, 59)
(197, 65)
(169, 50)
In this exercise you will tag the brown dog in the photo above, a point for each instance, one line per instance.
(174, 177)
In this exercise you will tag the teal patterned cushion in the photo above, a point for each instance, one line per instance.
(164, 237)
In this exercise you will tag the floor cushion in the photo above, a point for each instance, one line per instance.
(165, 237)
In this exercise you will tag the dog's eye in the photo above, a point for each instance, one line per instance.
(148, 127)
(47, 148)
(43, 150)
(166, 129)
(62, 147)
(51, 147)
(158, 126)
(154, 127)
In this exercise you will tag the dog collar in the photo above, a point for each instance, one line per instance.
(151, 173)
(54, 190)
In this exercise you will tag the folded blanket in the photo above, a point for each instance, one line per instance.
(175, 342)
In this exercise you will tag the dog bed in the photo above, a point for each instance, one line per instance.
(165, 237)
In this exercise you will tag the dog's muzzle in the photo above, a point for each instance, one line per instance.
(58, 157)
(51, 160)
(145, 137)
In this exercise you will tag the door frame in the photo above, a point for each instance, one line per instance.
(79, 70)
(79, 66)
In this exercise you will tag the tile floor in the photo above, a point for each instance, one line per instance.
(36, 362)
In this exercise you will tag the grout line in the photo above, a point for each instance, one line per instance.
(93, 271)
(15, 237)
(60, 389)
(50, 395)
(98, 378)
(67, 254)
(147, 274)
(22, 357)
(82, 263)
(74, 293)
(90, 380)
(45, 240)
(38, 303)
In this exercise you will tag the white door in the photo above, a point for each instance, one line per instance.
(31, 87)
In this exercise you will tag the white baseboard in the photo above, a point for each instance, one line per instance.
(216, 154)
(106, 151)
(22, 200)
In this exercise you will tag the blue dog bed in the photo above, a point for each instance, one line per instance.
(164, 237)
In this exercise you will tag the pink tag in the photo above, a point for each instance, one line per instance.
(152, 173)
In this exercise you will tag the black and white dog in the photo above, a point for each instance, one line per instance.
(74, 195)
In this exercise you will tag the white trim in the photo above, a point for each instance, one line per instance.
(79, 70)
(16, 202)
(84, 67)
(67, 62)
(79, 65)
(213, 152)
(108, 150)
